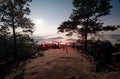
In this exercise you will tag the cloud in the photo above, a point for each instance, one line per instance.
(37, 38)
(54, 38)
(47, 37)
(114, 36)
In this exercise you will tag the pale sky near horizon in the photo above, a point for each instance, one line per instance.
(49, 14)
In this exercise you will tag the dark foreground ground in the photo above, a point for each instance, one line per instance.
(59, 64)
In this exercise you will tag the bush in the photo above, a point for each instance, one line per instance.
(116, 48)
(25, 47)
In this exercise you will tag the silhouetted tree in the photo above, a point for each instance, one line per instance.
(86, 18)
(3, 41)
(13, 14)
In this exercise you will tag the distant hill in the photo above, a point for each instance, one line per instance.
(113, 38)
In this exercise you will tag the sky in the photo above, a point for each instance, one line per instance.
(49, 14)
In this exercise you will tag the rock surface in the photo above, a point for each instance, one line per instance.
(58, 64)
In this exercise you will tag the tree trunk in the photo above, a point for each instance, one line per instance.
(5, 47)
(15, 42)
(86, 32)
(14, 38)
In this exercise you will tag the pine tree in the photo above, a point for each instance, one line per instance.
(86, 18)
(13, 15)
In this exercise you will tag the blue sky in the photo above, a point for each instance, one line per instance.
(51, 13)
